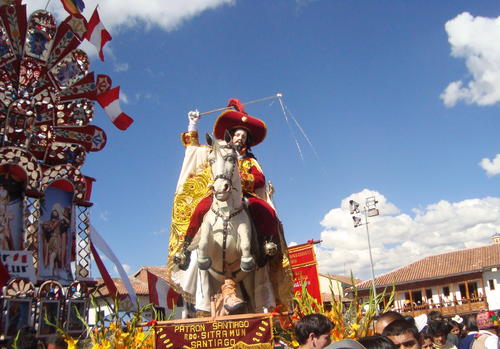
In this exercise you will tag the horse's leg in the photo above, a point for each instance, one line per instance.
(244, 234)
(204, 260)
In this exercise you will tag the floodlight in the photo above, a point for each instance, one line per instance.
(357, 221)
(353, 205)
(371, 202)
(372, 212)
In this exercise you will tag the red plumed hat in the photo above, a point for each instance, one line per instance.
(231, 119)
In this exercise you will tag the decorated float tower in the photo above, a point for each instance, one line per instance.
(47, 99)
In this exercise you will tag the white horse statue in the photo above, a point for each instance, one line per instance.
(224, 247)
(223, 244)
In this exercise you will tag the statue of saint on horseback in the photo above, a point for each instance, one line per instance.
(231, 227)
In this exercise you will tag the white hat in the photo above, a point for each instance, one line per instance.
(421, 321)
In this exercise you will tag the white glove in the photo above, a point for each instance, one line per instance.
(193, 117)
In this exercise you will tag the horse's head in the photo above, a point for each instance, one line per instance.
(223, 160)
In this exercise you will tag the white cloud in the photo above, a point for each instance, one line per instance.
(120, 67)
(123, 14)
(492, 167)
(123, 97)
(475, 39)
(162, 231)
(104, 215)
(398, 238)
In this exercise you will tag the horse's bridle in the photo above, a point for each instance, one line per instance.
(218, 213)
(225, 225)
(227, 176)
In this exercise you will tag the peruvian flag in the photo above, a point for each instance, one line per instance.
(108, 281)
(97, 241)
(110, 101)
(160, 294)
(97, 34)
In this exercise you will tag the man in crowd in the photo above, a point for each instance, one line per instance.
(313, 331)
(486, 337)
(385, 319)
(56, 341)
(403, 334)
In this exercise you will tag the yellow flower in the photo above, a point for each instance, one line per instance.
(71, 343)
(295, 344)
(355, 326)
(105, 344)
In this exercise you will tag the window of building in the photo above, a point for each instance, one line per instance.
(446, 291)
(491, 284)
(428, 293)
(473, 291)
(416, 296)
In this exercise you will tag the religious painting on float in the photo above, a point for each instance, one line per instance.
(55, 236)
(48, 310)
(11, 217)
(18, 315)
(73, 323)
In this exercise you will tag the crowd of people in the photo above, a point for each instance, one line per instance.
(395, 331)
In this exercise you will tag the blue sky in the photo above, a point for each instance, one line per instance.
(368, 81)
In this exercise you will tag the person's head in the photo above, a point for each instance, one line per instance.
(426, 339)
(435, 315)
(54, 214)
(403, 334)
(377, 342)
(455, 327)
(346, 344)
(486, 321)
(438, 330)
(385, 319)
(240, 138)
(470, 323)
(56, 341)
(314, 330)
(233, 121)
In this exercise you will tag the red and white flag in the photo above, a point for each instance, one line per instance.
(110, 101)
(108, 281)
(160, 293)
(97, 241)
(97, 34)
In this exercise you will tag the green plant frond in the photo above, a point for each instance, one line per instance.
(15, 345)
(352, 321)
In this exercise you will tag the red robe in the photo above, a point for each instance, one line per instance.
(252, 178)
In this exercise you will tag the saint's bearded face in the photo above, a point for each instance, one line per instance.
(54, 214)
(239, 138)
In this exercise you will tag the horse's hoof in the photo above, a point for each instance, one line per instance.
(182, 259)
(247, 264)
(204, 263)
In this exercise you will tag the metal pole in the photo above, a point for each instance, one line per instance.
(370, 251)
(277, 95)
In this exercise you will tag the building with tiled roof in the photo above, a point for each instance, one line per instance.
(140, 287)
(335, 286)
(139, 282)
(463, 281)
